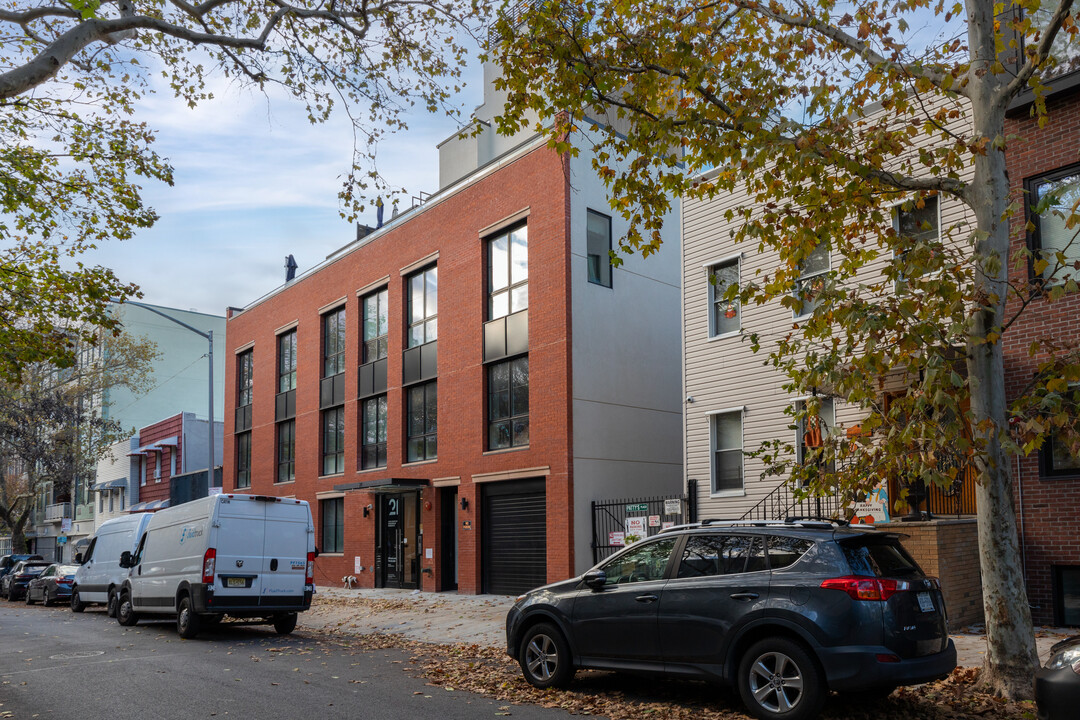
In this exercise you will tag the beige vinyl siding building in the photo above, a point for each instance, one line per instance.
(734, 401)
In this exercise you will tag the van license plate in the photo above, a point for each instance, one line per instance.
(926, 604)
(241, 582)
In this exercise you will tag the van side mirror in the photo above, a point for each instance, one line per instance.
(78, 559)
(595, 579)
(125, 559)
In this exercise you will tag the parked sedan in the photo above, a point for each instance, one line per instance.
(15, 582)
(9, 561)
(1057, 684)
(54, 583)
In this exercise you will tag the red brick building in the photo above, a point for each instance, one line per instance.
(451, 391)
(1047, 483)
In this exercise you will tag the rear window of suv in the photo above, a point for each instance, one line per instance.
(879, 557)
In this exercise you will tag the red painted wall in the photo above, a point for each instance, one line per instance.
(158, 489)
(536, 182)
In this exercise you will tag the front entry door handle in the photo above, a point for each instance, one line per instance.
(646, 598)
(744, 596)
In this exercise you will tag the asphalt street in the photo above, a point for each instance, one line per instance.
(55, 664)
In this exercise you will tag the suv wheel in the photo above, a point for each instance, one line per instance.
(125, 611)
(545, 657)
(187, 622)
(779, 680)
(77, 605)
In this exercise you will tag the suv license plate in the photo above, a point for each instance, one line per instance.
(240, 582)
(926, 604)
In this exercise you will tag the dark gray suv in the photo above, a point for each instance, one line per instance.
(784, 611)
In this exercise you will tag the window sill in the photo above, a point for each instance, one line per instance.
(335, 475)
(728, 494)
(501, 451)
(331, 554)
(381, 468)
(725, 336)
(284, 482)
(420, 462)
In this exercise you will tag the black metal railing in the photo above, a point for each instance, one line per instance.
(648, 516)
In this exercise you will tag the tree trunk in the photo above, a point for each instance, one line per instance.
(1011, 659)
(18, 540)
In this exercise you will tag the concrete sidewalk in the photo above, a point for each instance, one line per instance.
(449, 618)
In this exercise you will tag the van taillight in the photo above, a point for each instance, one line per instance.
(208, 566)
(309, 576)
(864, 588)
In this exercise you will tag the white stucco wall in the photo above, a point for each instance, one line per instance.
(626, 352)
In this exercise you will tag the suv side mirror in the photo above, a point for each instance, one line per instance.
(78, 559)
(596, 579)
(125, 559)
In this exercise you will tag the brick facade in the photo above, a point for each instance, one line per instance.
(449, 231)
(157, 488)
(1044, 506)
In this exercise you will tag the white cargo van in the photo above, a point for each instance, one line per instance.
(244, 556)
(99, 575)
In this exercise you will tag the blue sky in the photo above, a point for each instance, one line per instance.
(254, 182)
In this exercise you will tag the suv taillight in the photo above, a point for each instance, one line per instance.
(309, 575)
(208, 566)
(864, 588)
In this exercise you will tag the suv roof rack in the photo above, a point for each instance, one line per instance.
(807, 522)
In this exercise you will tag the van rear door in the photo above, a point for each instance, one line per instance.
(239, 547)
(285, 547)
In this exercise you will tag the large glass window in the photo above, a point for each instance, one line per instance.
(811, 280)
(332, 524)
(1055, 240)
(508, 404)
(286, 451)
(334, 342)
(376, 326)
(647, 561)
(598, 240)
(287, 361)
(508, 272)
(423, 289)
(333, 441)
(422, 422)
(243, 460)
(727, 452)
(724, 315)
(373, 433)
(915, 225)
(245, 368)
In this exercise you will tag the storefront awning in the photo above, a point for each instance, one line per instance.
(149, 506)
(110, 485)
(156, 446)
(385, 485)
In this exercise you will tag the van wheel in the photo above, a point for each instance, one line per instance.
(284, 624)
(544, 657)
(110, 606)
(125, 611)
(188, 623)
(779, 680)
(77, 605)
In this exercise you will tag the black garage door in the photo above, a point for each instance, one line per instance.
(515, 537)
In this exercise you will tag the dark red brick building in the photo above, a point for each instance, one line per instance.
(1047, 483)
(451, 391)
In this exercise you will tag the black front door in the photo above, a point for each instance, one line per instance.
(399, 540)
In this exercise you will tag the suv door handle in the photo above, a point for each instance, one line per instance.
(744, 596)
(646, 598)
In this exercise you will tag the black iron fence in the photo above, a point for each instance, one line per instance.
(616, 523)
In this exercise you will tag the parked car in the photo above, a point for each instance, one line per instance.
(783, 611)
(1057, 683)
(99, 574)
(244, 556)
(9, 561)
(54, 583)
(13, 585)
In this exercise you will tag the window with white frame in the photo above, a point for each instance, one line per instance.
(914, 225)
(724, 315)
(423, 306)
(826, 421)
(508, 272)
(811, 280)
(727, 451)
